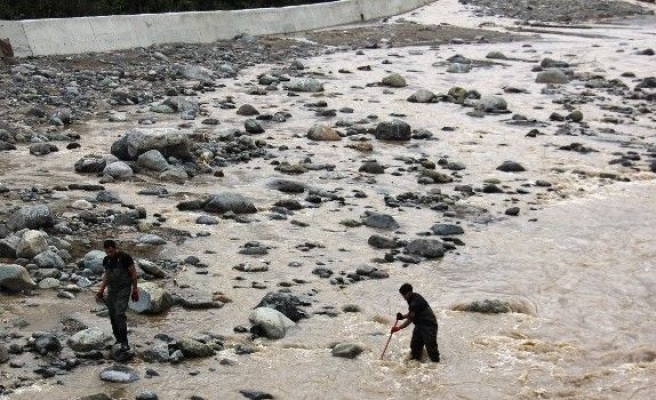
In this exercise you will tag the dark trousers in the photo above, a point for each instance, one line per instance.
(117, 305)
(424, 336)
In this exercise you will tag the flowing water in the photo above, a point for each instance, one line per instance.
(577, 264)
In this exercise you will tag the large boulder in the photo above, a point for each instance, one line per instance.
(271, 323)
(194, 349)
(347, 350)
(15, 278)
(170, 142)
(305, 85)
(322, 132)
(36, 217)
(286, 303)
(380, 221)
(8, 246)
(394, 80)
(429, 248)
(152, 299)
(224, 202)
(49, 259)
(152, 160)
(422, 96)
(88, 340)
(118, 170)
(32, 243)
(553, 76)
(393, 130)
(93, 261)
(119, 374)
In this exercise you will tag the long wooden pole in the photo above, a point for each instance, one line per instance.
(388, 341)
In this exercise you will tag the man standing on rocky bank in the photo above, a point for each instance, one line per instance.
(120, 278)
(425, 331)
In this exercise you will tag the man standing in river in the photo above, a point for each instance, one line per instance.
(425, 331)
(120, 277)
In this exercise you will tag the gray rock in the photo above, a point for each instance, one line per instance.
(152, 160)
(395, 81)
(428, 248)
(151, 268)
(422, 96)
(36, 217)
(8, 246)
(492, 104)
(255, 395)
(347, 350)
(447, 229)
(90, 164)
(380, 221)
(247, 110)
(93, 261)
(553, 76)
(206, 220)
(457, 68)
(49, 283)
(97, 396)
(88, 340)
(194, 349)
(322, 132)
(253, 127)
(286, 303)
(147, 395)
(511, 166)
(151, 239)
(32, 243)
(159, 352)
(152, 299)
(551, 63)
(381, 242)
(372, 167)
(174, 174)
(4, 354)
(15, 278)
(305, 85)
(496, 55)
(393, 130)
(49, 259)
(168, 141)
(196, 73)
(42, 149)
(225, 202)
(118, 170)
(105, 196)
(272, 323)
(486, 307)
(46, 343)
(287, 186)
(119, 374)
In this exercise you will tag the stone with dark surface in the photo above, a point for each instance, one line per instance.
(447, 229)
(486, 307)
(347, 350)
(511, 166)
(194, 349)
(286, 303)
(422, 96)
(380, 221)
(381, 242)
(168, 141)
(119, 374)
(372, 167)
(428, 248)
(88, 340)
(225, 202)
(45, 342)
(320, 132)
(287, 186)
(270, 322)
(247, 110)
(152, 160)
(97, 396)
(394, 81)
(395, 130)
(553, 76)
(15, 278)
(35, 217)
(255, 395)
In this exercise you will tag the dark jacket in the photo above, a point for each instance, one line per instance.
(424, 315)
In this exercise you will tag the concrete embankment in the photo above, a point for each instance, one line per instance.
(99, 34)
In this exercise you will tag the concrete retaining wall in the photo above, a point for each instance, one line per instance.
(119, 32)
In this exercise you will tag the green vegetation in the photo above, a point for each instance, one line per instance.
(33, 9)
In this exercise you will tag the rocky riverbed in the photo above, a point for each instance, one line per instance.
(276, 192)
